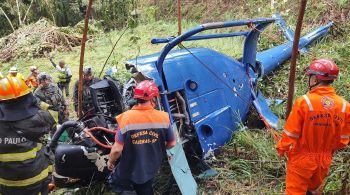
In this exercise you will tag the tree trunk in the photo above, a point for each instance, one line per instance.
(7, 19)
(19, 13)
(25, 16)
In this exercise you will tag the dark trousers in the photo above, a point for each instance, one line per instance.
(144, 189)
(119, 185)
(64, 87)
(40, 188)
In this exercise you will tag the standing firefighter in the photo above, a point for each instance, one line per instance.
(13, 72)
(144, 134)
(23, 163)
(64, 75)
(88, 79)
(32, 81)
(52, 96)
(317, 126)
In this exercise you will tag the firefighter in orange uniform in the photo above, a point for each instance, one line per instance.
(144, 134)
(318, 125)
(32, 80)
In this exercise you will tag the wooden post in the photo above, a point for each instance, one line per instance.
(82, 52)
(179, 17)
(294, 57)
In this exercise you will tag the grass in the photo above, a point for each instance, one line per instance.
(248, 164)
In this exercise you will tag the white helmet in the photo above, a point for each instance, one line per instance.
(32, 68)
(13, 69)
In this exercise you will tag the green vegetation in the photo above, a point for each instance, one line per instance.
(112, 14)
(248, 164)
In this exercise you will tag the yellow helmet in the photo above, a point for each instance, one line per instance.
(12, 88)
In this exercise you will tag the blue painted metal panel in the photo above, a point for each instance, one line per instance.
(181, 170)
(288, 33)
(188, 68)
(272, 58)
(205, 104)
(215, 129)
(263, 109)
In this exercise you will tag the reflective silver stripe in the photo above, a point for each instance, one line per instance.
(144, 126)
(4, 87)
(308, 102)
(344, 106)
(293, 135)
(344, 136)
(18, 82)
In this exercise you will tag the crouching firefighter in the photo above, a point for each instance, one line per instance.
(143, 135)
(24, 167)
(52, 96)
(317, 126)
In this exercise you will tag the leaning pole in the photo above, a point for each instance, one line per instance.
(294, 57)
(82, 52)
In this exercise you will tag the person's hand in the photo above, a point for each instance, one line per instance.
(110, 165)
(48, 55)
(281, 154)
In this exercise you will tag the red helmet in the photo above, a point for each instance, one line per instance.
(324, 69)
(146, 90)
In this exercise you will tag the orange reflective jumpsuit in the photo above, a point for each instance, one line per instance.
(32, 81)
(318, 125)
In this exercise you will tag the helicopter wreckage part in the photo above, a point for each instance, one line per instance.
(89, 134)
(272, 58)
(181, 169)
(264, 111)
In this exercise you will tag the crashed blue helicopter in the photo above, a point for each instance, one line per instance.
(201, 89)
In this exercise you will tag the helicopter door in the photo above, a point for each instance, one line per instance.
(180, 168)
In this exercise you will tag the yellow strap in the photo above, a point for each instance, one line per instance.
(26, 182)
(22, 156)
(54, 115)
(50, 168)
(44, 105)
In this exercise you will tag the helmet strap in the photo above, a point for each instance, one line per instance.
(314, 85)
